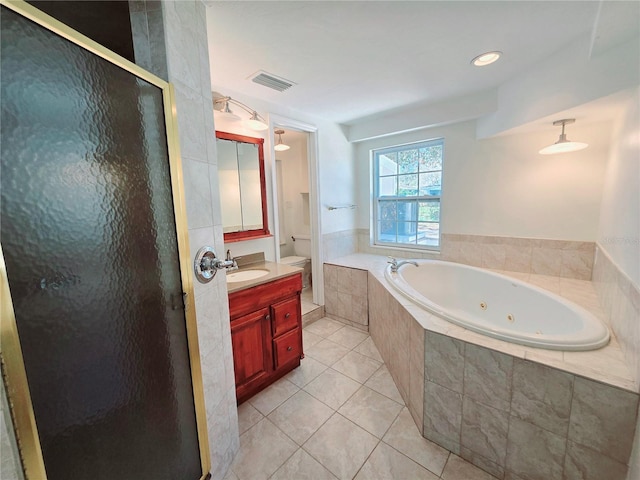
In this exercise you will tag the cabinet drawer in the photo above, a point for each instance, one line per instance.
(285, 316)
(287, 347)
(251, 299)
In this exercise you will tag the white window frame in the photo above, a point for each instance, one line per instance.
(376, 197)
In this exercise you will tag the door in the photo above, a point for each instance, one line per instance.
(252, 354)
(101, 360)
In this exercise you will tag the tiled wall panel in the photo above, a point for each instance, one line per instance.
(561, 258)
(620, 299)
(400, 341)
(339, 244)
(345, 295)
(10, 468)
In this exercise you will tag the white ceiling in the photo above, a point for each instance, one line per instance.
(351, 60)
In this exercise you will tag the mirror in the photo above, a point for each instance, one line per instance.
(242, 187)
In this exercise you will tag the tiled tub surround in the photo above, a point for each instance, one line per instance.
(559, 258)
(620, 299)
(517, 412)
(345, 295)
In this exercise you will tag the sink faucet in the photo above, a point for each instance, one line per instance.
(395, 264)
(232, 262)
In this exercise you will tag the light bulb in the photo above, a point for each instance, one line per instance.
(486, 58)
(256, 124)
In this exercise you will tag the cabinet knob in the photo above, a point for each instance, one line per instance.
(267, 317)
(289, 348)
(287, 315)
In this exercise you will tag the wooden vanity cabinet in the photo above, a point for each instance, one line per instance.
(266, 333)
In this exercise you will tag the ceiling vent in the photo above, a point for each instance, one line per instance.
(271, 81)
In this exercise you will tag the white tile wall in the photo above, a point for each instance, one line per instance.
(9, 461)
(620, 299)
(187, 67)
(339, 244)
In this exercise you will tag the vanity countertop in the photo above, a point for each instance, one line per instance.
(276, 270)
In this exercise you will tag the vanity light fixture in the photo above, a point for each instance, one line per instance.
(224, 110)
(563, 145)
(280, 146)
(255, 122)
(486, 58)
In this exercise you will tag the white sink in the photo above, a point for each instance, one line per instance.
(244, 275)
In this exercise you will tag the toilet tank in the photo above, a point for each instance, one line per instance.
(302, 245)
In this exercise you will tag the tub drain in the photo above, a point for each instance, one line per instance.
(483, 305)
(511, 318)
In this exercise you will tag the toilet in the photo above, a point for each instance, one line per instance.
(302, 257)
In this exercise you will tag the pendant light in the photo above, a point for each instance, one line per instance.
(280, 146)
(563, 145)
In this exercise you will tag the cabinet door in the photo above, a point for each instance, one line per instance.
(252, 354)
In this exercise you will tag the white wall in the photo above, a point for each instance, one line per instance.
(336, 170)
(502, 186)
(564, 80)
(619, 228)
(295, 177)
(619, 234)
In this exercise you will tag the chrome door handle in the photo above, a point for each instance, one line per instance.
(206, 264)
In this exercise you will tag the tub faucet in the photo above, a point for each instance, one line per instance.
(395, 264)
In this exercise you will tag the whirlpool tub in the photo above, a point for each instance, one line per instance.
(498, 306)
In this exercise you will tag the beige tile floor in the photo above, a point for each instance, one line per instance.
(338, 416)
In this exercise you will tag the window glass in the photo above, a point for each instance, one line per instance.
(408, 186)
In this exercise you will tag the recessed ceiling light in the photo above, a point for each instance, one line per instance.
(486, 58)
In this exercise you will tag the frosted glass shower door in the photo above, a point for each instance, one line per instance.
(90, 240)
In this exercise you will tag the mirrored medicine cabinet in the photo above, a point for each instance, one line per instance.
(242, 186)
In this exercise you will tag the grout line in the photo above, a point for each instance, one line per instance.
(412, 460)
(566, 440)
(446, 463)
(379, 440)
(288, 458)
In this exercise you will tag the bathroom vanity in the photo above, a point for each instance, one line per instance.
(266, 328)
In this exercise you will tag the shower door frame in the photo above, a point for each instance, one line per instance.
(13, 368)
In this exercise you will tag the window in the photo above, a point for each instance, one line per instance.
(407, 187)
